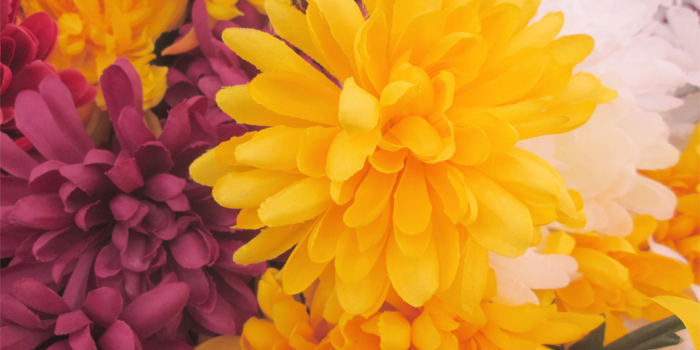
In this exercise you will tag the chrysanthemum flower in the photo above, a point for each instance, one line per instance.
(398, 325)
(94, 33)
(401, 150)
(25, 46)
(122, 218)
(34, 316)
(617, 278)
(681, 233)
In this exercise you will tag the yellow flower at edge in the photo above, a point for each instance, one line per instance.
(94, 33)
(682, 232)
(406, 169)
(617, 279)
(397, 325)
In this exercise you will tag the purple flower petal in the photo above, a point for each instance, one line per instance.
(34, 119)
(72, 197)
(153, 158)
(88, 179)
(125, 173)
(61, 345)
(39, 297)
(190, 250)
(82, 340)
(163, 186)
(20, 338)
(221, 320)
(121, 87)
(179, 203)
(119, 336)
(38, 271)
(46, 177)
(71, 322)
(202, 287)
(14, 160)
(12, 189)
(60, 102)
(140, 251)
(52, 243)
(16, 312)
(176, 131)
(108, 262)
(66, 262)
(100, 158)
(103, 306)
(135, 131)
(44, 211)
(76, 288)
(45, 30)
(152, 310)
(93, 214)
(124, 207)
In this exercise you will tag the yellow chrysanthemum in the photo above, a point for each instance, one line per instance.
(682, 232)
(401, 166)
(617, 278)
(397, 325)
(94, 33)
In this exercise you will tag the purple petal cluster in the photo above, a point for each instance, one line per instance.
(212, 65)
(24, 48)
(127, 219)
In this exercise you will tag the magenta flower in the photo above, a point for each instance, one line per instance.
(34, 316)
(87, 218)
(24, 49)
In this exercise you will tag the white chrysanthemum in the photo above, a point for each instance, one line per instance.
(600, 160)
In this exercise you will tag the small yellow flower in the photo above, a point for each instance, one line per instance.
(397, 325)
(617, 278)
(682, 232)
(401, 166)
(94, 33)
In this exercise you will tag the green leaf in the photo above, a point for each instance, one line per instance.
(662, 341)
(648, 335)
(592, 341)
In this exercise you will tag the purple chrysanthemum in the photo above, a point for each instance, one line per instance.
(125, 218)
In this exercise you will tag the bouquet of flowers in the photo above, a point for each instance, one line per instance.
(340, 174)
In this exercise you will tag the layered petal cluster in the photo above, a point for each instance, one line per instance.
(94, 33)
(617, 278)
(395, 162)
(85, 218)
(213, 65)
(25, 46)
(34, 315)
(681, 233)
(216, 15)
(601, 159)
(398, 325)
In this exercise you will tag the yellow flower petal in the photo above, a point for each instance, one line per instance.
(287, 207)
(270, 54)
(412, 206)
(503, 224)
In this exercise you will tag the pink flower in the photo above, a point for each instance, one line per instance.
(33, 315)
(124, 218)
(24, 49)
